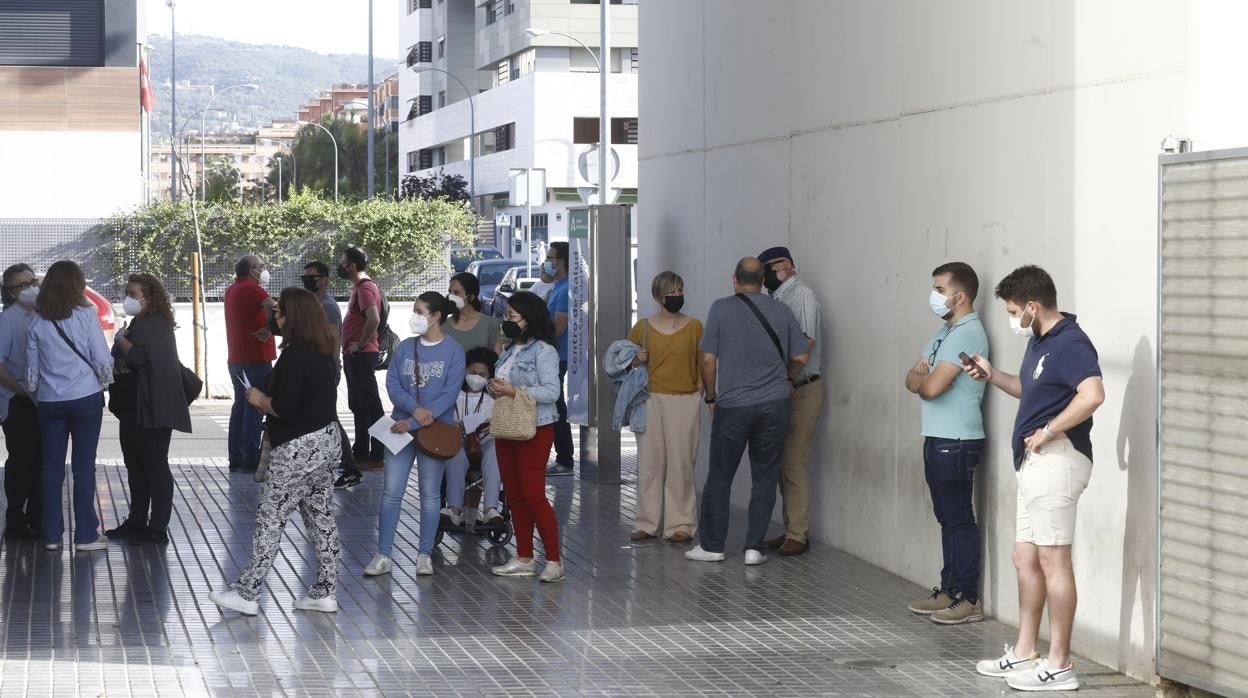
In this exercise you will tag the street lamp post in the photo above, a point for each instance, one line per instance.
(203, 130)
(604, 140)
(335, 141)
(173, 102)
(472, 133)
(372, 187)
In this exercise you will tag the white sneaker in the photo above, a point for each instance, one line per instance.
(1007, 664)
(700, 555)
(379, 565)
(100, 543)
(515, 568)
(230, 599)
(453, 516)
(329, 604)
(424, 565)
(753, 557)
(552, 573)
(51, 546)
(1044, 678)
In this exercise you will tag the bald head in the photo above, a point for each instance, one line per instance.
(748, 275)
(243, 269)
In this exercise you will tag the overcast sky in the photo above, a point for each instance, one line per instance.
(324, 26)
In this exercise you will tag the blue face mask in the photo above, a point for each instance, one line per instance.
(548, 268)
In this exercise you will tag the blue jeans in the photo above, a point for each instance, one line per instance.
(950, 465)
(58, 422)
(430, 471)
(762, 429)
(245, 421)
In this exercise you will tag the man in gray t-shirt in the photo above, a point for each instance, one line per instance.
(748, 381)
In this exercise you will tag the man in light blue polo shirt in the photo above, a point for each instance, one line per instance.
(953, 431)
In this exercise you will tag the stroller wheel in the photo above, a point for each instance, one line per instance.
(500, 536)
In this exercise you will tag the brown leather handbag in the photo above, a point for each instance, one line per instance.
(439, 439)
(472, 449)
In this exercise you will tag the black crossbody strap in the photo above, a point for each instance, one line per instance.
(766, 326)
(70, 342)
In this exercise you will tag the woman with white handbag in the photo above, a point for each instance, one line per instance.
(525, 387)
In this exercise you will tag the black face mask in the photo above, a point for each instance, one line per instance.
(511, 330)
(312, 283)
(770, 279)
(342, 272)
(673, 304)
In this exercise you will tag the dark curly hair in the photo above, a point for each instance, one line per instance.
(157, 297)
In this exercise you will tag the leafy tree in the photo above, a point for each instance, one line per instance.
(435, 185)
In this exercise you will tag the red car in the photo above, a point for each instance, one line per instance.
(104, 311)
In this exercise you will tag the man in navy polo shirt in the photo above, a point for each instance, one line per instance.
(1059, 387)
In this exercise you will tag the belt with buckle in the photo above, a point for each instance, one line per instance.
(805, 381)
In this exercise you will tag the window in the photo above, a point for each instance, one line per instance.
(413, 161)
(442, 99)
(394, 102)
(426, 158)
(421, 52)
(504, 71)
(632, 54)
(442, 47)
(509, 6)
(413, 5)
(496, 140)
(515, 70)
(491, 12)
(585, 130)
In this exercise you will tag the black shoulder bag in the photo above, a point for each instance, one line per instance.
(767, 326)
(71, 344)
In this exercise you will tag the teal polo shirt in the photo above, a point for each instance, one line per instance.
(956, 413)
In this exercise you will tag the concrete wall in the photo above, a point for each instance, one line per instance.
(881, 138)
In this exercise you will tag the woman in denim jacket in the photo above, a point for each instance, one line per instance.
(530, 361)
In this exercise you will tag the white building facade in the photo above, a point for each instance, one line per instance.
(536, 103)
(879, 139)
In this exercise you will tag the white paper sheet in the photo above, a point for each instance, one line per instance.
(474, 420)
(392, 441)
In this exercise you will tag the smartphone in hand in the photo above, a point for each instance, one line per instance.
(968, 361)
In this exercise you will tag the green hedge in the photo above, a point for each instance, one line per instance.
(407, 239)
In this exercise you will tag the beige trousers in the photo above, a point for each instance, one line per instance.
(794, 479)
(665, 454)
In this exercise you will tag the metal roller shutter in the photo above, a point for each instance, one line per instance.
(52, 32)
(1203, 451)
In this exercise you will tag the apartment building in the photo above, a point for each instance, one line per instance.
(535, 101)
(251, 153)
(70, 113)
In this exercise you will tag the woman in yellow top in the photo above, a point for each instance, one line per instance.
(666, 451)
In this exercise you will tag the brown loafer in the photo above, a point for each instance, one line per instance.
(775, 543)
(639, 536)
(680, 537)
(792, 546)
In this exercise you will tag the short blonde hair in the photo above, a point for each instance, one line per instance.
(665, 283)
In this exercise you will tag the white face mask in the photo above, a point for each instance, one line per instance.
(1016, 325)
(419, 324)
(459, 302)
(133, 306)
(936, 301)
(264, 277)
(28, 296)
(475, 382)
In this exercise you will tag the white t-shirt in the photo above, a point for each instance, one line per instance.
(474, 403)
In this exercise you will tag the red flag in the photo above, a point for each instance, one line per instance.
(146, 98)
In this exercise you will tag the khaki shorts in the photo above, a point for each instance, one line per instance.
(1049, 485)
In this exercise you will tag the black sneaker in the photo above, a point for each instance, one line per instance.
(128, 528)
(348, 481)
(558, 469)
(149, 536)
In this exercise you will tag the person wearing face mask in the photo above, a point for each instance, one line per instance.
(468, 325)
(1059, 387)
(316, 279)
(555, 268)
(475, 400)
(19, 417)
(953, 441)
(780, 280)
(298, 402)
(423, 381)
(251, 350)
(666, 500)
(149, 403)
(360, 356)
(530, 362)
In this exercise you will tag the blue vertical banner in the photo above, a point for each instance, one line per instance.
(578, 317)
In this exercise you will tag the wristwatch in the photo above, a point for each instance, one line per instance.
(1049, 432)
(710, 400)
